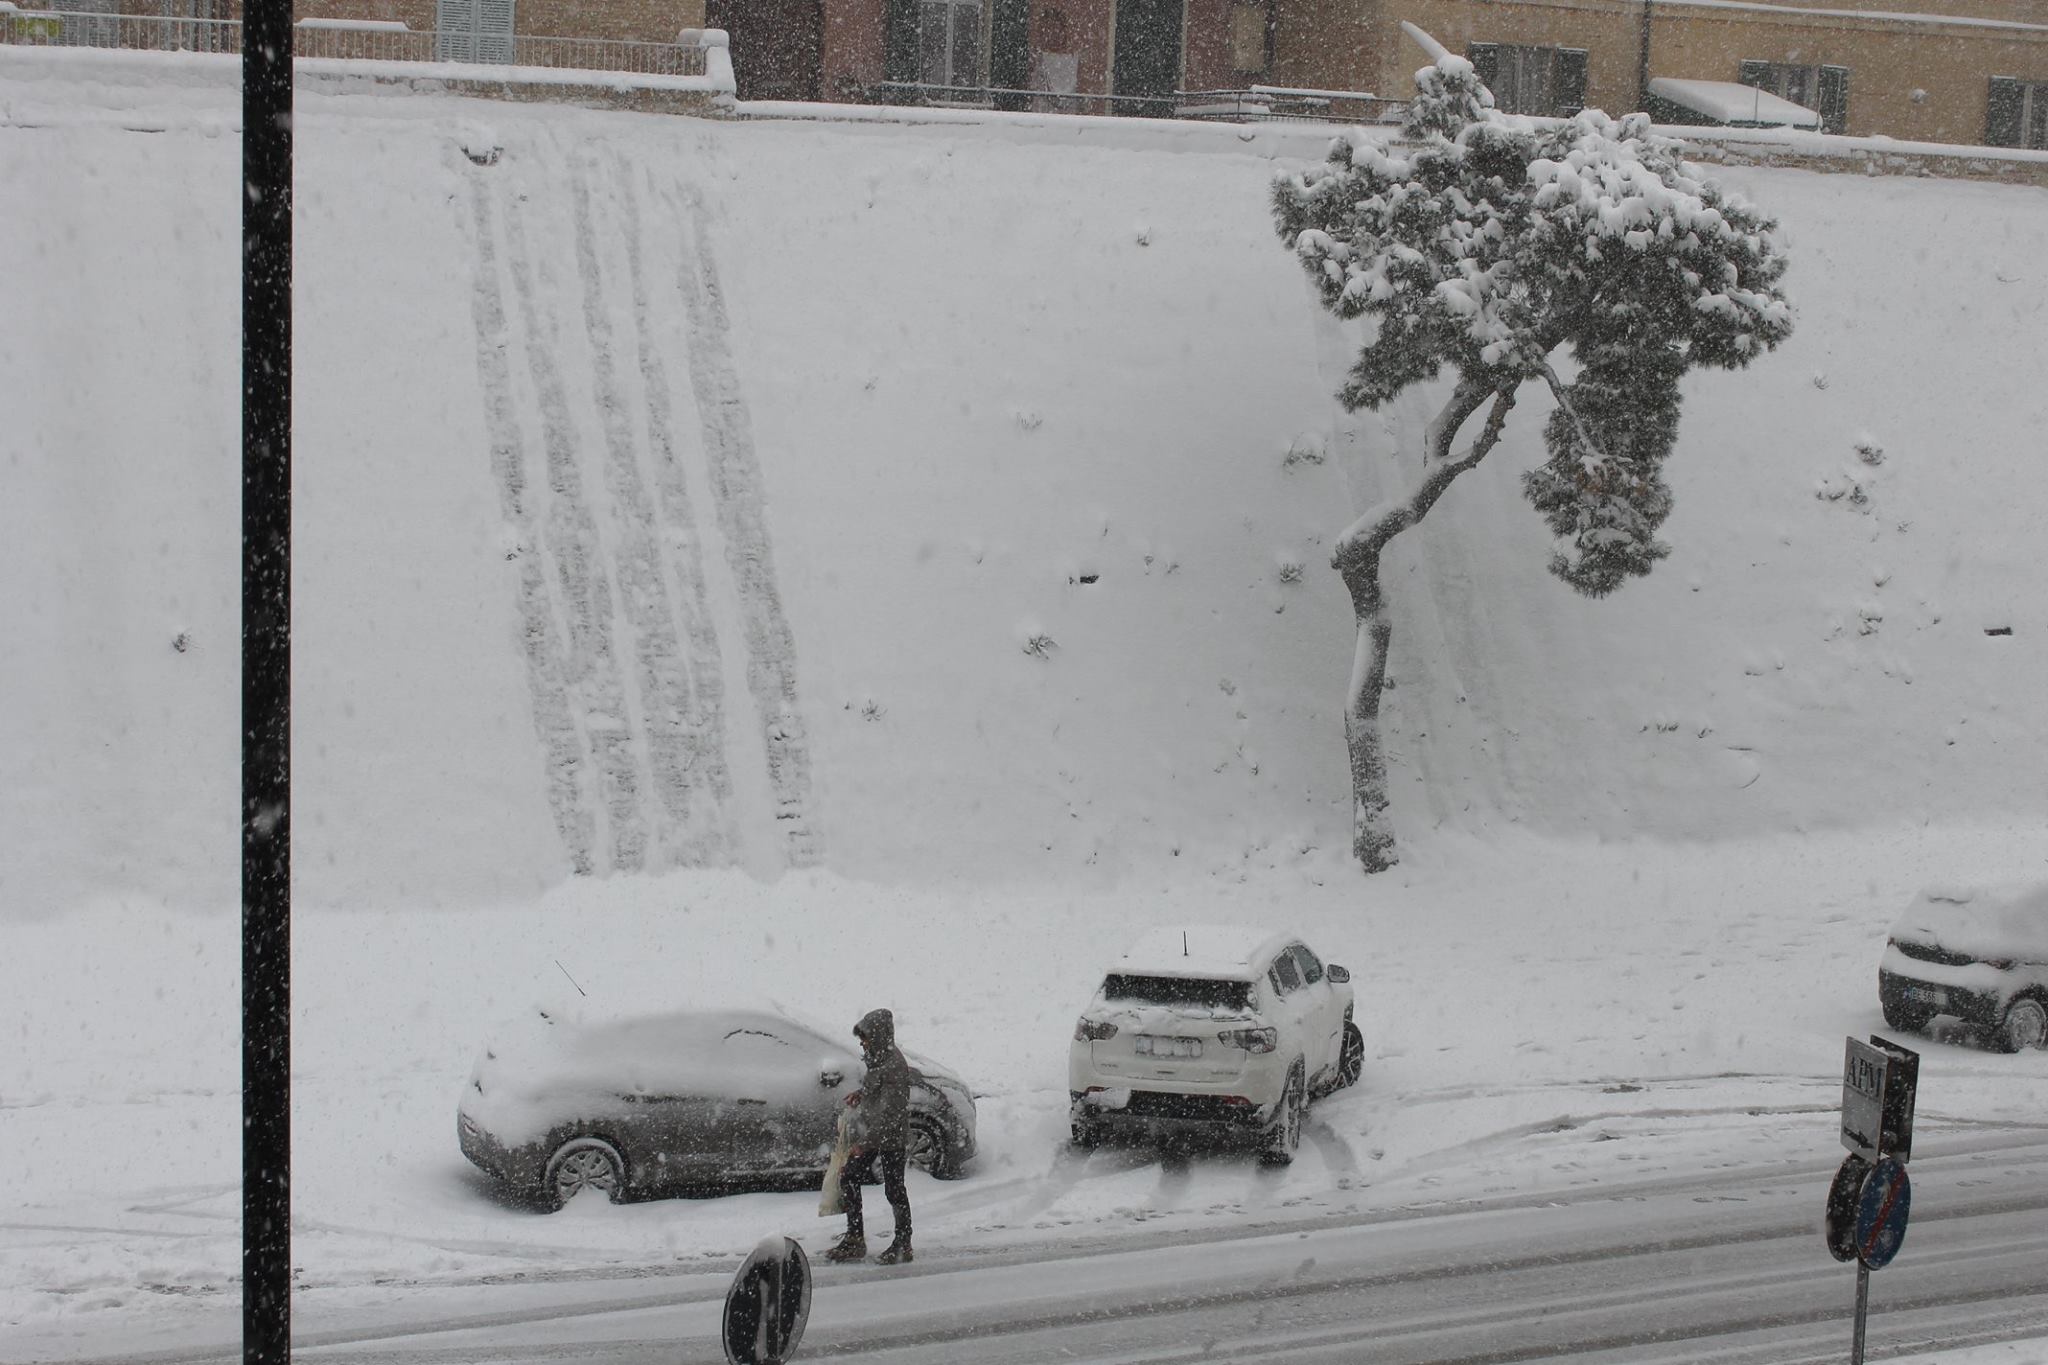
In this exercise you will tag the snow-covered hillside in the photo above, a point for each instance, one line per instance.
(929, 500)
(940, 512)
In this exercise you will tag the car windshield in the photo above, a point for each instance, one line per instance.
(1125, 988)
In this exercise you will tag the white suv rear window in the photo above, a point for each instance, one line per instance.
(1176, 990)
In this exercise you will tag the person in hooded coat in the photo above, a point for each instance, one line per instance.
(878, 1136)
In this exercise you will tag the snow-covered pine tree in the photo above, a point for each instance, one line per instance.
(1483, 245)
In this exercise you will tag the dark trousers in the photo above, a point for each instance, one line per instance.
(857, 1170)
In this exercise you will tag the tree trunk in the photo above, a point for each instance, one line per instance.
(1372, 826)
(1357, 558)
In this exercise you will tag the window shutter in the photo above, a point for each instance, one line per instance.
(1485, 59)
(2002, 108)
(455, 30)
(494, 31)
(1568, 81)
(1757, 74)
(1834, 99)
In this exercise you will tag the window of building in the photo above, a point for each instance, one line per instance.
(949, 43)
(1545, 81)
(2016, 114)
(1251, 38)
(473, 31)
(1823, 89)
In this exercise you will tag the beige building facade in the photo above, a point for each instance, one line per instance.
(1940, 71)
(1954, 71)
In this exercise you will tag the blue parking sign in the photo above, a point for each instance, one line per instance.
(1881, 1212)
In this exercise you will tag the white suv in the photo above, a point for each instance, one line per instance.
(1213, 1031)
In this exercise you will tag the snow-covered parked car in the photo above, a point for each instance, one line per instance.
(1213, 1032)
(1980, 955)
(556, 1106)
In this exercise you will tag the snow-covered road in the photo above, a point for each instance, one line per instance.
(1710, 1266)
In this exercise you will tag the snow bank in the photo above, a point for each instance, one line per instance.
(926, 502)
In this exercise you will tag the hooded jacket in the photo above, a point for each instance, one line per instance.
(881, 1121)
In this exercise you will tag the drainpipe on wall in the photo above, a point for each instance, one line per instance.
(1643, 63)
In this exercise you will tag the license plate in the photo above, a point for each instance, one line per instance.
(1151, 1046)
(1926, 995)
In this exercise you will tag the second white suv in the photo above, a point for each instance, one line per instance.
(1214, 1032)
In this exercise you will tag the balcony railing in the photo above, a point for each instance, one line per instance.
(355, 41)
(71, 28)
(1252, 104)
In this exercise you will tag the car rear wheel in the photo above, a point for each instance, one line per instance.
(2026, 1025)
(584, 1163)
(1284, 1139)
(929, 1150)
(1351, 1062)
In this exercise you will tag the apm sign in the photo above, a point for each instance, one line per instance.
(1879, 1082)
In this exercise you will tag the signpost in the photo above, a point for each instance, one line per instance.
(1871, 1195)
(768, 1304)
(265, 193)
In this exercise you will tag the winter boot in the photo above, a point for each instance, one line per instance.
(851, 1247)
(897, 1252)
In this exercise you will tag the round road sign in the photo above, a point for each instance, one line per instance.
(1839, 1226)
(768, 1304)
(1881, 1211)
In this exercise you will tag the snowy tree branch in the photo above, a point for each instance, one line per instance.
(1369, 534)
(1561, 392)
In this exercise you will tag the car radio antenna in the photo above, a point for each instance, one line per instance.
(572, 980)
(1183, 943)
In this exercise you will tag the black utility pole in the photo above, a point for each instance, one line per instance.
(1643, 63)
(266, 680)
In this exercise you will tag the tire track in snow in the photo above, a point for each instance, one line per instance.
(684, 743)
(736, 486)
(569, 535)
(685, 541)
(540, 642)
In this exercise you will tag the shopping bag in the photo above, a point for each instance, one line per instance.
(829, 1203)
